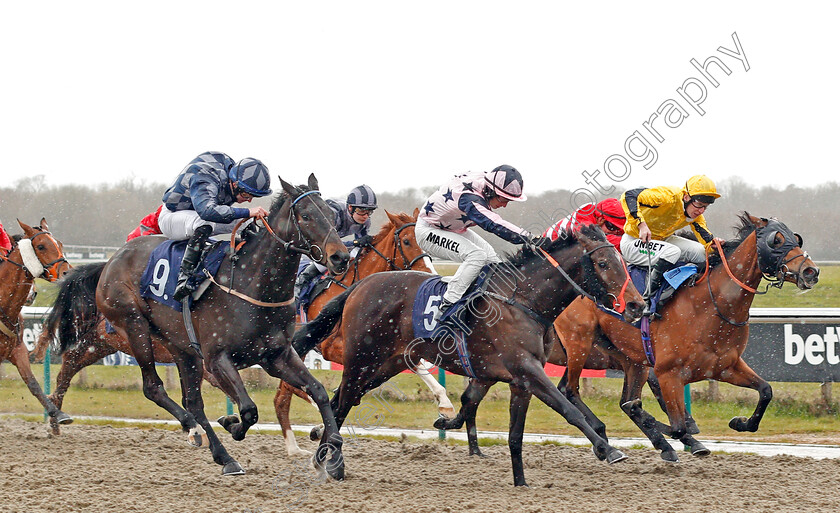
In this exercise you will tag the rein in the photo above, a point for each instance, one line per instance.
(407, 265)
(51, 268)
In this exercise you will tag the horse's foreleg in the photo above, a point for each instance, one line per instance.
(20, 359)
(569, 386)
(282, 404)
(191, 372)
(72, 362)
(225, 372)
(519, 401)
(672, 394)
(445, 407)
(290, 368)
(653, 384)
(531, 376)
(631, 404)
(743, 376)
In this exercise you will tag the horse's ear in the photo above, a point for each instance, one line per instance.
(756, 221)
(27, 230)
(313, 182)
(44, 224)
(395, 220)
(416, 212)
(290, 189)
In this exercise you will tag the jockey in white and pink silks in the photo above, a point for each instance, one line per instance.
(469, 200)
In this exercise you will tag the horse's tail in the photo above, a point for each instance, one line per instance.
(74, 313)
(315, 331)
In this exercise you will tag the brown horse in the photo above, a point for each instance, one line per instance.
(246, 319)
(702, 334)
(393, 248)
(35, 253)
(505, 329)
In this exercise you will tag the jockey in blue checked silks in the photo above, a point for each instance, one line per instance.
(469, 200)
(198, 204)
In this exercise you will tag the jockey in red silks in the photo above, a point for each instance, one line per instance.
(607, 215)
(148, 226)
(5, 242)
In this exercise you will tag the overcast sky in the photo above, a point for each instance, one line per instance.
(398, 94)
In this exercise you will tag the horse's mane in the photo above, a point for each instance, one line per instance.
(386, 228)
(742, 231)
(526, 253)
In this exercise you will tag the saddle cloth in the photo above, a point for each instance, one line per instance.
(673, 280)
(430, 294)
(161, 274)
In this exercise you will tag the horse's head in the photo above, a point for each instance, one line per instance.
(605, 275)
(42, 253)
(407, 254)
(780, 253)
(315, 226)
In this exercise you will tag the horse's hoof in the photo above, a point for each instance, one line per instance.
(198, 437)
(615, 456)
(440, 423)
(738, 423)
(670, 456)
(299, 453)
(479, 454)
(316, 433)
(62, 418)
(448, 413)
(336, 473)
(228, 422)
(699, 449)
(691, 427)
(232, 468)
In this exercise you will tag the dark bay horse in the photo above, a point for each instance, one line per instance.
(702, 334)
(505, 329)
(34, 254)
(393, 248)
(247, 319)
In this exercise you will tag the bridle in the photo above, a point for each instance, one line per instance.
(771, 261)
(398, 246)
(50, 268)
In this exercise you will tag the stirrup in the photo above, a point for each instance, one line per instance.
(182, 288)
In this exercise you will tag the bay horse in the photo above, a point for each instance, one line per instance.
(505, 329)
(702, 334)
(247, 319)
(34, 254)
(393, 248)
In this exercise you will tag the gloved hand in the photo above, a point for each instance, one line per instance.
(540, 242)
(364, 240)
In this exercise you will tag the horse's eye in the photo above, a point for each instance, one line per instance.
(602, 265)
(778, 240)
(41, 247)
(406, 242)
(304, 217)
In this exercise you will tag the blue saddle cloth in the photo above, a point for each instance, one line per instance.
(673, 279)
(161, 274)
(430, 294)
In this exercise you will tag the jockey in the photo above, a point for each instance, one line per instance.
(607, 215)
(469, 200)
(198, 204)
(653, 215)
(5, 242)
(352, 217)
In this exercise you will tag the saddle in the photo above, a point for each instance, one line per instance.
(311, 290)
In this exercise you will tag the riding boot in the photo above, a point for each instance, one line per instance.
(442, 309)
(305, 277)
(657, 276)
(192, 255)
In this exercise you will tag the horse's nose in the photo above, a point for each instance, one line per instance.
(633, 311)
(339, 261)
(810, 276)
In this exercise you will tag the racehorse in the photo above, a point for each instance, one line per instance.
(35, 253)
(505, 329)
(247, 319)
(393, 248)
(702, 334)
